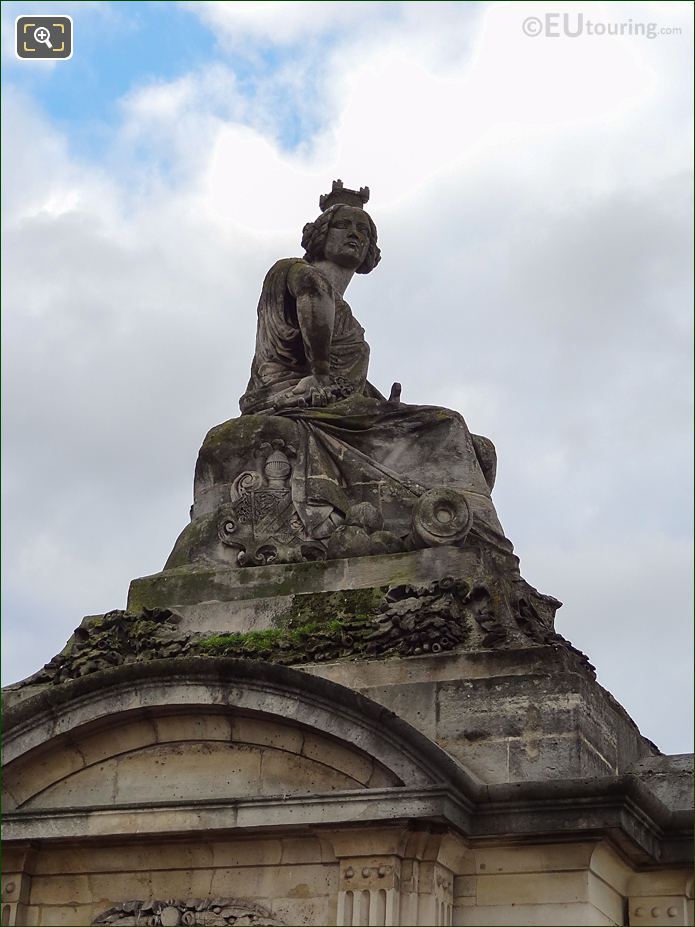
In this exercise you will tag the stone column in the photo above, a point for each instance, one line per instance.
(408, 878)
(435, 895)
(369, 891)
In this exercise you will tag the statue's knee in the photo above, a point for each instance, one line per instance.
(487, 458)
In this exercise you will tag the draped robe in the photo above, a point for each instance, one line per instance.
(363, 447)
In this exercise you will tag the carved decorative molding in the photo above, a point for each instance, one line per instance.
(115, 638)
(211, 912)
(404, 620)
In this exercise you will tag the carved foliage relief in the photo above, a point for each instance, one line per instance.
(216, 912)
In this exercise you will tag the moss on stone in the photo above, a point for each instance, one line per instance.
(280, 645)
(352, 624)
(316, 623)
(322, 608)
(241, 432)
(177, 585)
(143, 593)
(195, 537)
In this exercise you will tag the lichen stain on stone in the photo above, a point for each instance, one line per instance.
(300, 891)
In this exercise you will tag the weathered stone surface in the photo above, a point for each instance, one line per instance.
(668, 778)
(432, 787)
(511, 610)
(348, 541)
(424, 841)
(374, 622)
(102, 641)
(239, 688)
(183, 589)
(201, 770)
(476, 607)
(556, 882)
(318, 446)
(243, 516)
(508, 715)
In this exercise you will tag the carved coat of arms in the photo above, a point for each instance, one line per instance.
(261, 522)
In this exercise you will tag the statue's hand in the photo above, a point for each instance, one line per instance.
(314, 390)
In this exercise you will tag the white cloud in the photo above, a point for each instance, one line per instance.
(279, 22)
(530, 198)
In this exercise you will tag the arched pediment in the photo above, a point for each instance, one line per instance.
(202, 729)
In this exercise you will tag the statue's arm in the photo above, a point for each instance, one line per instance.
(315, 315)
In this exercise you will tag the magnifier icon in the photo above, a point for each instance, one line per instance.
(41, 34)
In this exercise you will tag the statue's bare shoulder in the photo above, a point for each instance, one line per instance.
(305, 280)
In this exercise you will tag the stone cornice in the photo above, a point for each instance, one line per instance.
(437, 788)
(570, 810)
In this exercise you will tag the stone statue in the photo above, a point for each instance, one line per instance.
(321, 464)
(310, 350)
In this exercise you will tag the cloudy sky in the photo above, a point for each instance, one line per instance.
(533, 198)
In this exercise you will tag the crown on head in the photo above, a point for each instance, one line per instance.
(341, 196)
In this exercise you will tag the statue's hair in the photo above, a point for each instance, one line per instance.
(314, 240)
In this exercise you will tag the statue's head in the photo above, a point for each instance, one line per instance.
(344, 232)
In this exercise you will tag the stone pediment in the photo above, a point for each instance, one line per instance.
(207, 730)
(194, 790)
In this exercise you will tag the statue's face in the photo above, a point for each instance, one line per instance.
(347, 240)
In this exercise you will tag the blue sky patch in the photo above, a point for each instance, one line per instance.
(128, 45)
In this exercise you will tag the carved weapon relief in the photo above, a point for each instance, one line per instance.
(262, 524)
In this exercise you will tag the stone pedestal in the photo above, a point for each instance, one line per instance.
(507, 715)
(395, 739)
(526, 707)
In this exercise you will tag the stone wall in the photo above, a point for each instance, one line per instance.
(361, 875)
(506, 715)
(295, 877)
(228, 792)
